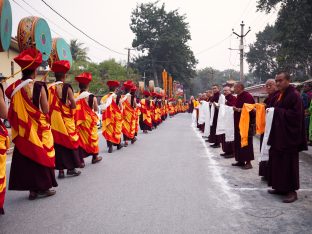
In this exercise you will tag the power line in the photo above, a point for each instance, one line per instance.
(97, 42)
(34, 9)
(214, 45)
(94, 56)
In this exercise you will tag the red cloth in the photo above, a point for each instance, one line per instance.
(84, 78)
(29, 59)
(128, 84)
(146, 93)
(230, 100)
(61, 66)
(112, 83)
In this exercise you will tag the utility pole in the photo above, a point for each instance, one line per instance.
(241, 49)
(128, 60)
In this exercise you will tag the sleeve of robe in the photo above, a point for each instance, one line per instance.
(287, 132)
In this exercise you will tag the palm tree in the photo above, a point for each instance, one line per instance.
(79, 53)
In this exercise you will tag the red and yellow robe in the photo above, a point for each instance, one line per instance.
(137, 119)
(171, 109)
(129, 120)
(86, 126)
(152, 110)
(158, 114)
(167, 107)
(62, 121)
(31, 130)
(4, 145)
(111, 121)
(146, 113)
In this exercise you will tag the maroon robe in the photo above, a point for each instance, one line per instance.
(246, 153)
(287, 138)
(213, 138)
(269, 102)
(228, 147)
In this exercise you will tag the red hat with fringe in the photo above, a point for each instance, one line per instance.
(84, 78)
(29, 59)
(61, 66)
(113, 83)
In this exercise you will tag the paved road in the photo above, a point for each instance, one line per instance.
(170, 181)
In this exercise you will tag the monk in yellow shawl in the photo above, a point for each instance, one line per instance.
(86, 120)
(129, 113)
(145, 117)
(62, 113)
(33, 161)
(112, 117)
(4, 144)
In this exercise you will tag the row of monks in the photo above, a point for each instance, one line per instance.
(54, 128)
(230, 121)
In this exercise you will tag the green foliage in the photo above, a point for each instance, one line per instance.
(101, 73)
(163, 38)
(79, 53)
(208, 76)
(262, 53)
(286, 45)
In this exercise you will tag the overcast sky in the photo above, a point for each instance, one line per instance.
(211, 23)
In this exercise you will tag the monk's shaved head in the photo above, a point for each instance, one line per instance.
(226, 90)
(239, 88)
(270, 81)
(270, 86)
(282, 80)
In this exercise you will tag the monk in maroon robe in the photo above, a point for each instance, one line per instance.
(243, 155)
(213, 138)
(287, 139)
(228, 147)
(270, 87)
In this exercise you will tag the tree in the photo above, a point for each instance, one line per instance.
(163, 38)
(263, 53)
(293, 34)
(101, 73)
(208, 76)
(79, 53)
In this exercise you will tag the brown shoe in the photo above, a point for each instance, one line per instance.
(47, 193)
(275, 192)
(229, 156)
(247, 167)
(97, 159)
(238, 164)
(291, 197)
(73, 172)
(32, 195)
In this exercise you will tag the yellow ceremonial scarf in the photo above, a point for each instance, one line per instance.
(245, 119)
(4, 145)
(129, 120)
(147, 119)
(62, 121)
(86, 126)
(31, 131)
(111, 121)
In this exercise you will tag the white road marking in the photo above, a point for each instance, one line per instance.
(233, 198)
(265, 189)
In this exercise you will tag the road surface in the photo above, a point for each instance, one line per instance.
(169, 181)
